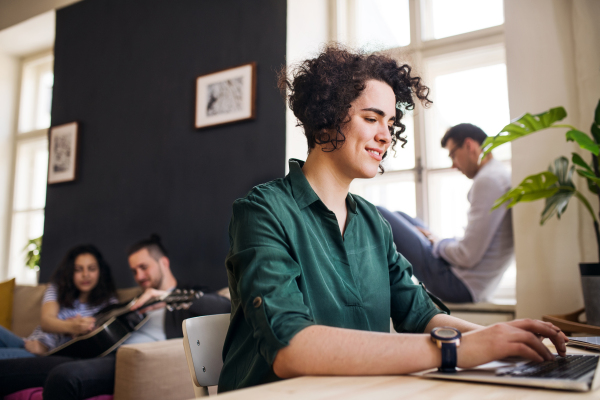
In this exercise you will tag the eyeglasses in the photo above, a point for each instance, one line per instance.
(453, 151)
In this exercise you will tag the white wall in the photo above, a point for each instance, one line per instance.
(586, 32)
(543, 39)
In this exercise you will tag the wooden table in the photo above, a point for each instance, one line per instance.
(569, 323)
(396, 387)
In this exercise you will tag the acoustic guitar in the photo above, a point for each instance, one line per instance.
(115, 323)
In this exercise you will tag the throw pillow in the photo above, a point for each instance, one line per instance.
(7, 289)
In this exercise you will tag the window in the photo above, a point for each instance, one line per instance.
(444, 18)
(31, 162)
(380, 23)
(469, 86)
(36, 94)
(457, 46)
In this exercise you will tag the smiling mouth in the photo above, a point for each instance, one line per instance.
(375, 154)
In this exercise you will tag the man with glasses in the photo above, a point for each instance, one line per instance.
(467, 269)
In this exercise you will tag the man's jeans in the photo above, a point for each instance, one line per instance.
(434, 272)
(63, 378)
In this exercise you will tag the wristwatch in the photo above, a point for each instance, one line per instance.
(447, 339)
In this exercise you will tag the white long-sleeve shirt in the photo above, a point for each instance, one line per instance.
(480, 258)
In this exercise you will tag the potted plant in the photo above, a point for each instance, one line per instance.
(33, 254)
(557, 187)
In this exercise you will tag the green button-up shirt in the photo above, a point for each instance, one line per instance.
(289, 267)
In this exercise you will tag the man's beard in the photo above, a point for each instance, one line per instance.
(160, 280)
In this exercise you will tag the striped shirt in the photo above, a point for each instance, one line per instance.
(52, 340)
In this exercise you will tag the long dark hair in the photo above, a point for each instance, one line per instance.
(63, 278)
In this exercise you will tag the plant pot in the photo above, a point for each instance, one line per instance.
(590, 283)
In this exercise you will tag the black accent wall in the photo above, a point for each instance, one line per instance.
(126, 70)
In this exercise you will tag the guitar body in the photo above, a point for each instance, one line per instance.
(115, 324)
(102, 340)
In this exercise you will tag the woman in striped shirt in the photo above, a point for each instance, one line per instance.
(80, 287)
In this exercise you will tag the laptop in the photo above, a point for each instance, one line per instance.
(576, 372)
(589, 343)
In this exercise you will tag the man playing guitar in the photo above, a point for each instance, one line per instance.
(72, 378)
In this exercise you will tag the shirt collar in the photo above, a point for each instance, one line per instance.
(492, 161)
(302, 191)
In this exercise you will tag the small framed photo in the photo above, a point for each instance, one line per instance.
(226, 96)
(62, 158)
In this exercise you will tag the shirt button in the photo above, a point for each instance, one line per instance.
(257, 302)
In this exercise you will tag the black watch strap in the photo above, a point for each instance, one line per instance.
(448, 357)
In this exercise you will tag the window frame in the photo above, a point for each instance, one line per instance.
(18, 138)
(418, 53)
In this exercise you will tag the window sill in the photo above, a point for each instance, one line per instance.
(495, 306)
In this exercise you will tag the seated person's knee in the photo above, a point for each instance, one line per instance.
(62, 380)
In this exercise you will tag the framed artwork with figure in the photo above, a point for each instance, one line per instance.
(226, 96)
(62, 156)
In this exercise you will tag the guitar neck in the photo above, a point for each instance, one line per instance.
(111, 330)
(174, 298)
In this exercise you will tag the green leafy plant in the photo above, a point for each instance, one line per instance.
(555, 185)
(33, 253)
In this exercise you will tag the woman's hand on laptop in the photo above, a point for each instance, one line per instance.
(558, 338)
(515, 338)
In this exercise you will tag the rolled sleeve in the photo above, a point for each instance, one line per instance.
(266, 278)
(439, 246)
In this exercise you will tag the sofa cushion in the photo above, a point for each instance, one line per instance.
(156, 370)
(37, 394)
(27, 306)
(26, 394)
(7, 289)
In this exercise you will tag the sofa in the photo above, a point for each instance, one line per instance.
(143, 371)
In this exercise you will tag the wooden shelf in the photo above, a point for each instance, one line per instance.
(569, 323)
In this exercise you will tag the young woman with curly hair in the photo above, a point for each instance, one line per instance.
(313, 270)
(80, 287)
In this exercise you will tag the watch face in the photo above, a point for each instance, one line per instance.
(445, 333)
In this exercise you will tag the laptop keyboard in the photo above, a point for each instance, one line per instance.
(568, 367)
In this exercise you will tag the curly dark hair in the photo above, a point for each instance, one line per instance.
(322, 89)
(63, 278)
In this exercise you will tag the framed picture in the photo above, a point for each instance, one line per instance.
(226, 96)
(62, 158)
